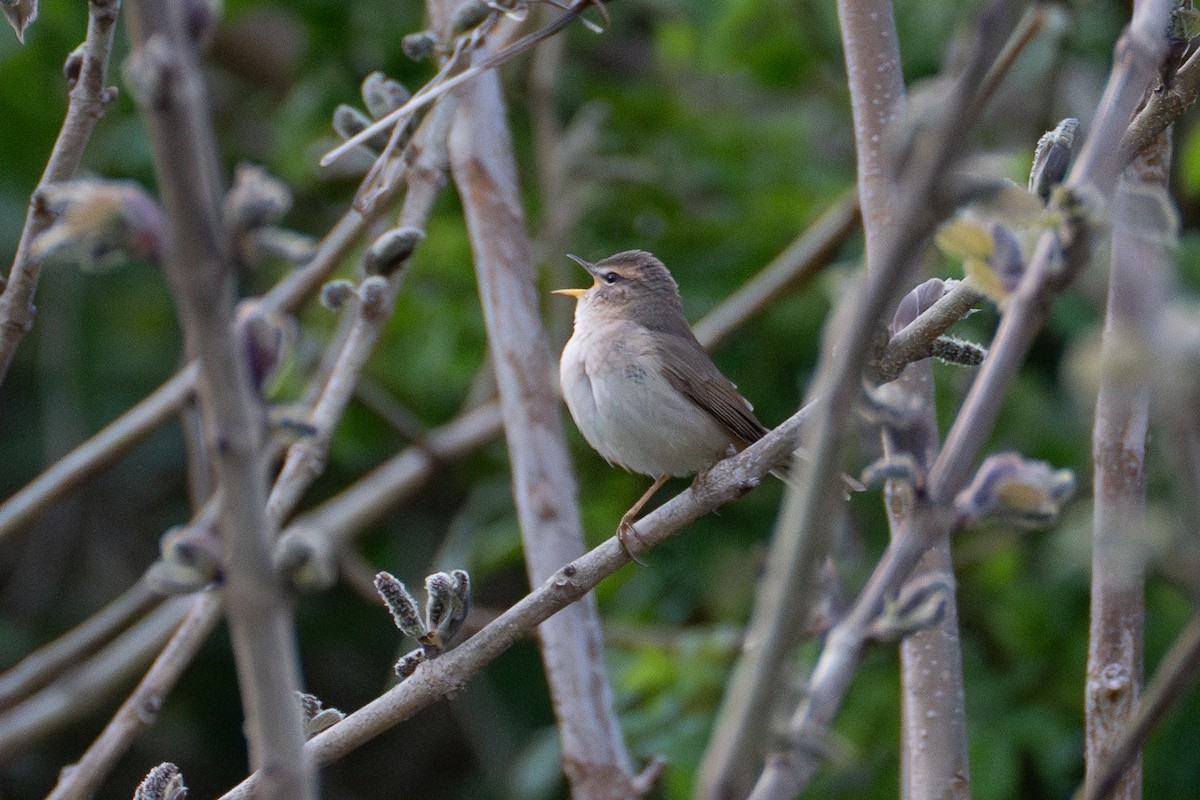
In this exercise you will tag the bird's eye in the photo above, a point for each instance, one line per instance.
(610, 278)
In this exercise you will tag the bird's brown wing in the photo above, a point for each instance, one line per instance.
(700, 381)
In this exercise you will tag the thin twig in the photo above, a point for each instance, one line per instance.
(916, 340)
(443, 83)
(85, 688)
(1032, 23)
(305, 460)
(91, 457)
(87, 101)
(1164, 107)
(140, 709)
(798, 263)
(46, 663)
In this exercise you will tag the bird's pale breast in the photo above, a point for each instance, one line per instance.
(613, 385)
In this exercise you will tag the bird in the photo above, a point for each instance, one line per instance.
(641, 389)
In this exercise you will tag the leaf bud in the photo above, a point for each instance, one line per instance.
(1021, 492)
(164, 782)
(383, 95)
(419, 46)
(468, 15)
(256, 198)
(400, 602)
(335, 293)
(391, 249)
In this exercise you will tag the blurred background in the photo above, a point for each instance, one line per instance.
(717, 131)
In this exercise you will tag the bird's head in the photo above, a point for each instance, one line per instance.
(633, 282)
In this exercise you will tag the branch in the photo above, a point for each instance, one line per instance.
(65, 652)
(305, 460)
(872, 48)
(80, 780)
(1140, 264)
(447, 674)
(1163, 108)
(85, 688)
(89, 98)
(915, 341)
(90, 458)
(200, 274)
(809, 515)
(132, 427)
(447, 80)
(1024, 314)
(595, 759)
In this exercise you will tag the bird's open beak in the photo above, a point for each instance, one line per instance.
(577, 293)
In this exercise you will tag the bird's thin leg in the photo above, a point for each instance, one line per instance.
(626, 529)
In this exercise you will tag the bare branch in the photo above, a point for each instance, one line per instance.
(448, 80)
(447, 674)
(305, 460)
(89, 98)
(809, 515)
(594, 755)
(91, 457)
(85, 688)
(199, 268)
(872, 49)
(46, 663)
(1140, 264)
(80, 780)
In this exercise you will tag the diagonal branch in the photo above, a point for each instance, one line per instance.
(809, 514)
(447, 674)
(1023, 317)
(141, 708)
(89, 98)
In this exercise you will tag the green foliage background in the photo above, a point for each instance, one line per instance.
(726, 131)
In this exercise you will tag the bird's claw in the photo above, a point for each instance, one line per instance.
(627, 534)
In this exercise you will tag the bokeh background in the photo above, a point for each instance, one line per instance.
(723, 129)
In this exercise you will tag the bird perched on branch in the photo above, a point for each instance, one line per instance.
(640, 387)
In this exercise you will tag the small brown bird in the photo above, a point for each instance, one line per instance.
(642, 390)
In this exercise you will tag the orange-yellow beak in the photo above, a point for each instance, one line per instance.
(578, 293)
